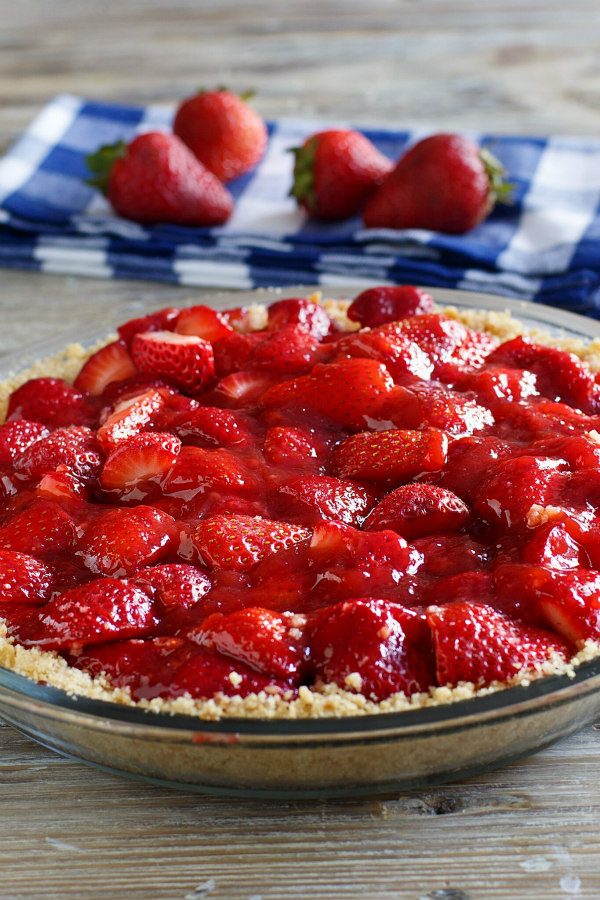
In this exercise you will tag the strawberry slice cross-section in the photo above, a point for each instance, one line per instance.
(186, 360)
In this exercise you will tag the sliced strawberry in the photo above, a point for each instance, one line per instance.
(17, 436)
(243, 389)
(239, 542)
(176, 405)
(140, 459)
(169, 667)
(23, 579)
(119, 392)
(185, 360)
(162, 320)
(493, 383)
(176, 585)
(515, 485)
(121, 541)
(233, 351)
(51, 401)
(371, 647)
(130, 417)
(61, 485)
(464, 587)
(403, 359)
(75, 447)
(539, 420)
(209, 426)
(289, 351)
(476, 643)
(301, 313)
(414, 510)
(20, 620)
(145, 667)
(471, 460)
(350, 563)
(197, 470)
(203, 322)
(280, 582)
(205, 673)
(92, 613)
(436, 334)
(445, 555)
(310, 498)
(379, 305)
(40, 528)
(580, 451)
(517, 587)
(429, 405)
(569, 601)
(272, 643)
(110, 363)
(348, 392)
(553, 547)
(240, 318)
(473, 351)
(560, 375)
(391, 456)
(293, 448)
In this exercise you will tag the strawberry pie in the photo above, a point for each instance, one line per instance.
(306, 509)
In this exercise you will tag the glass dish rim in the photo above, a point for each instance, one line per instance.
(510, 701)
(554, 687)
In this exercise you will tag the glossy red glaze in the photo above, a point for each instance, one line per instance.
(214, 509)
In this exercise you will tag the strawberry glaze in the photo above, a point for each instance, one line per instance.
(215, 510)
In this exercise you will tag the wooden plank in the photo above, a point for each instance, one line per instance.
(530, 830)
(494, 65)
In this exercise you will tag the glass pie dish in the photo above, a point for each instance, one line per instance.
(310, 757)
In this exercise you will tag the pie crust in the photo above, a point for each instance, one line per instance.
(48, 667)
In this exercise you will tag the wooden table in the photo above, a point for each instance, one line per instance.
(530, 830)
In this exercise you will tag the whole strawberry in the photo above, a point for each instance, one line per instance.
(444, 183)
(156, 178)
(335, 172)
(222, 131)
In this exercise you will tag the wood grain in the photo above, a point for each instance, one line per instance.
(498, 65)
(528, 831)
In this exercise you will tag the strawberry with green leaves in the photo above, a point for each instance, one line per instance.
(156, 178)
(443, 183)
(335, 172)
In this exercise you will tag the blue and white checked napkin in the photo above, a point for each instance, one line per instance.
(546, 246)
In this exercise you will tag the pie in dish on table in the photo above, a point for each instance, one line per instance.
(316, 508)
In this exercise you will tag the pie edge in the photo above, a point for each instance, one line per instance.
(329, 701)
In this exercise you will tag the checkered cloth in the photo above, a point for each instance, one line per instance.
(546, 246)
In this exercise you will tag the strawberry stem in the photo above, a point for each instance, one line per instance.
(501, 191)
(101, 162)
(303, 184)
(223, 89)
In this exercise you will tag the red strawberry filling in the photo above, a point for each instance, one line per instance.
(213, 509)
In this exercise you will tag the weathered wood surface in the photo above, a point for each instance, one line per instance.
(497, 64)
(528, 831)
